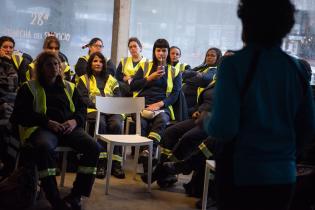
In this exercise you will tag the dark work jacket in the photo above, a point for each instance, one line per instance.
(205, 100)
(58, 107)
(155, 91)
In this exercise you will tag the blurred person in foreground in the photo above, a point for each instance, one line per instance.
(263, 113)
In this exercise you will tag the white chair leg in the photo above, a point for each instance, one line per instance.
(110, 150)
(63, 169)
(150, 166)
(137, 149)
(124, 156)
(205, 188)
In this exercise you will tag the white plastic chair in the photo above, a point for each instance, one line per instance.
(210, 165)
(64, 150)
(122, 105)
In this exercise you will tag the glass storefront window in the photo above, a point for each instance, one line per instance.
(74, 21)
(192, 25)
(196, 25)
(301, 40)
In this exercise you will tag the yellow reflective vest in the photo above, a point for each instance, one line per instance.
(127, 66)
(39, 104)
(171, 74)
(17, 59)
(91, 86)
(180, 66)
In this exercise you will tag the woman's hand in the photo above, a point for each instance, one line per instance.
(201, 117)
(195, 115)
(155, 106)
(55, 126)
(2, 54)
(69, 125)
(156, 75)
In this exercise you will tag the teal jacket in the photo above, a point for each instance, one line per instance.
(276, 115)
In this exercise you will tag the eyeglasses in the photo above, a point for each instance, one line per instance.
(98, 45)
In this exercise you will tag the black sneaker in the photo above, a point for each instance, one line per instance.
(117, 170)
(169, 167)
(168, 181)
(73, 202)
(158, 173)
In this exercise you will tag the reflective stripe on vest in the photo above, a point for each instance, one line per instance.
(127, 66)
(17, 59)
(30, 73)
(39, 104)
(85, 57)
(180, 66)
(91, 86)
(171, 74)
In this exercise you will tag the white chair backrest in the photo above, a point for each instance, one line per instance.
(119, 105)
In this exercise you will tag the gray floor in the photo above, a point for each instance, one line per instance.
(129, 194)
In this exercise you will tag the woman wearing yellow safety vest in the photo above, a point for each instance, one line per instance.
(200, 77)
(19, 60)
(50, 112)
(52, 44)
(175, 54)
(129, 66)
(95, 45)
(160, 84)
(98, 82)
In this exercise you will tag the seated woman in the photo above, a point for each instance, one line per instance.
(18, 60)
(160, 84)
(49, 112)
(200, 77)
(95, 45)
(98, 82)
(181, 139)
(129, 66)
(8, 89)
(175, 54)
(52, 44)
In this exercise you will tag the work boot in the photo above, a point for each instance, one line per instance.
(168, 181)
(158, 173)
(117, 170)
(177, 167)
(101, 169)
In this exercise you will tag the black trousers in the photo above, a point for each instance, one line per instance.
(183, 138)
(45, 141)
(154, 128)
(260, 197)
